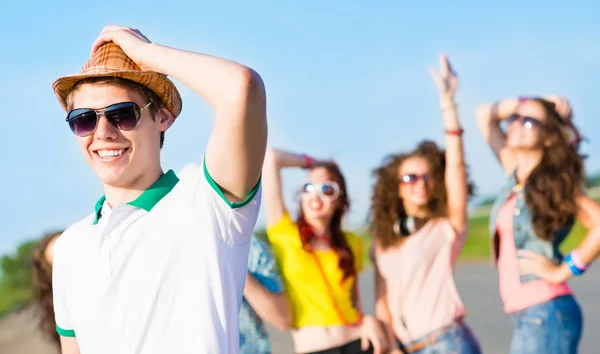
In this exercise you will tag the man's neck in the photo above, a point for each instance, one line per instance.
(119, 195)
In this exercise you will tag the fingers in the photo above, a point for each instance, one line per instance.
(439, 82)
(527, 254)
(104, 37)
(364, 343)
(376, 345)
(444, 66)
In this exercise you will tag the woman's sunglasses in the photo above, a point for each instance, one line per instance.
(413, 178)
(124, 116)
(326, 190)
(526, 122)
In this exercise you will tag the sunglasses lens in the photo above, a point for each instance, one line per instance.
(308, 188)
(512, 119)
(530, 123)
(409, 178)
(328, 190)
(124, 116)
(82, 121)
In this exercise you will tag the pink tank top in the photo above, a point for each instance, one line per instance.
(421, 294)
(516, 295)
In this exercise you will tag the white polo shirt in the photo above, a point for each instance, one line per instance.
(162, 274)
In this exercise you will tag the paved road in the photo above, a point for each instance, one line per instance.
(477, 284)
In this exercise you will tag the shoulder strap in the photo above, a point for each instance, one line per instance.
(332, 297)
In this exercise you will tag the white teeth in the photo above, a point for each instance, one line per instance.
(109, 153)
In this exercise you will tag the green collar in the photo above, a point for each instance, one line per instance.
(150, 197)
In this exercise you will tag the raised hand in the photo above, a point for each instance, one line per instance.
(446, 80)
(561, 105)
(131, 41)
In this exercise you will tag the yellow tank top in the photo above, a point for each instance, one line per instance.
(305, 287)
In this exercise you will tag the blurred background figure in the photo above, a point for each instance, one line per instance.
(537, 144)
(319, 261)
(31, 329)
(264, 300)
(419, 227)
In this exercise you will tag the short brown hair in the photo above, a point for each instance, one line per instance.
(148, 94)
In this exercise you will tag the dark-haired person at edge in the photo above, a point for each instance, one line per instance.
(264, 300)
(319, 262)
(31, 329)
(538, 147)
(419, 225)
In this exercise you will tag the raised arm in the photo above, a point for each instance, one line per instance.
(236, 147)
(456, 174)
(489, 117)
(275, 160)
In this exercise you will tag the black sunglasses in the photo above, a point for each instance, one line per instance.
(526, 122)
(413, 178)
(124, 116)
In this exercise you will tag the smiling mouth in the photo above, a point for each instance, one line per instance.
(106, 154)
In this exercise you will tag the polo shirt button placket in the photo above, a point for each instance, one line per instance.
(105, 266)
(105, 257)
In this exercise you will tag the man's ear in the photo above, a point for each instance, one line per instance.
(164, 118)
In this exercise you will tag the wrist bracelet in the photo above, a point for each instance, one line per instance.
(448, 104)
(577, 261)
(308, 161)
(523, 99)
(572, 267)
(457, 132)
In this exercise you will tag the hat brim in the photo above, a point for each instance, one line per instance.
(159, 84)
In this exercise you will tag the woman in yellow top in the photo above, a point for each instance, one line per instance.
(319, 263)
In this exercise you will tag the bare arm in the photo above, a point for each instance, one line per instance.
(488, 119)
(69, 345)
(382, 312)
(236, 147)
(275, 160)
(271, 307)
(588, 249)
(455, 174)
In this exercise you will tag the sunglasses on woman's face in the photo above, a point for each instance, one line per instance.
(326, 190)
(413, 178)
(526, 122)
(124, 116)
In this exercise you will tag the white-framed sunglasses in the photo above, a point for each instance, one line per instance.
(326, 190)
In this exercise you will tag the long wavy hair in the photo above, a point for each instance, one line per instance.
(552, 187)
(386, 205)
(338, 240)
(42, 286)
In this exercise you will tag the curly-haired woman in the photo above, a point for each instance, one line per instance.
(538, 149)
(419, 225)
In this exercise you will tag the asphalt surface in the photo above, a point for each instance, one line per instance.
(478, 286)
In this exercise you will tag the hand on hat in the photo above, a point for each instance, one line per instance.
(131, 41)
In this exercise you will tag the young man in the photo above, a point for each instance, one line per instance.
(264, 301)
(160, 265)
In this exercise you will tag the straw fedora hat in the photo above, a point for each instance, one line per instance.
(110, 61)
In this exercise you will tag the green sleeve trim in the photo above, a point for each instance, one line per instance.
(217, 189)
(65, 332)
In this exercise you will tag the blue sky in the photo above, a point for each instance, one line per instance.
(345, 79)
